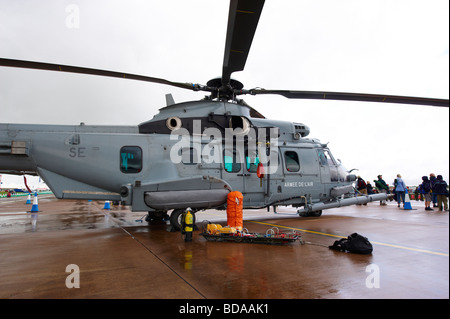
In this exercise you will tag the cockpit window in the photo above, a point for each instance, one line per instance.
(330, 158)
(322, 158)
(325, 158)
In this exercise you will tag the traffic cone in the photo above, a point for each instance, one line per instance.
(34, 208)
(107, 205)
(407, 205)
(28, 199)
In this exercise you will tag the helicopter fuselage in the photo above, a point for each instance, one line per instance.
(189, 155)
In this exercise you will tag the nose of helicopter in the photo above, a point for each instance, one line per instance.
(344, 174)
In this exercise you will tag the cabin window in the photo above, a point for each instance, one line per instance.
(291, 161)
(231, 161)
(251, 160)
(131, 159)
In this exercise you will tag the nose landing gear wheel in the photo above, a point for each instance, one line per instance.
(317, 213)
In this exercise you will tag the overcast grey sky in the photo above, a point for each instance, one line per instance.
(396, 47)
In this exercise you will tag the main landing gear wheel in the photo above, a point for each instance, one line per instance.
(317, 213)
(175, 218)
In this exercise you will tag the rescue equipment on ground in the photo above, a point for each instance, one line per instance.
(235, 208)
(273, 236)
(355, 243)
(187, 225)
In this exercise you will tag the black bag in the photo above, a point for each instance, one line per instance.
(355, 243)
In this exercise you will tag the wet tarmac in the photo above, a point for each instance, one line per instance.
(119, 255)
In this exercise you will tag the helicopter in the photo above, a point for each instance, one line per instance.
(192, 154)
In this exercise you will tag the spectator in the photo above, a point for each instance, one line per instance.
(440, 189)
(369, 188)
(433, 195)
(400, 188)
(382, 187)
(361, 187)
(425, 190)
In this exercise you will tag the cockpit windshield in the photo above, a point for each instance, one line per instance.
(337, 171)
(325, 157)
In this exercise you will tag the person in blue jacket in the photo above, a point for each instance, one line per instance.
(400, 188)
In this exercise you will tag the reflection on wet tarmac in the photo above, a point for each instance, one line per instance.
(145, 260)
(80, 214)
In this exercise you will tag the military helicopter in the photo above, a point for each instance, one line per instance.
(192, 154)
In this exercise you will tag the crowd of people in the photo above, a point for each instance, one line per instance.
(434, 190)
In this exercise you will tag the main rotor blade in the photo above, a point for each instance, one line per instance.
(315, 95)
(242, 22)
(81, 70)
